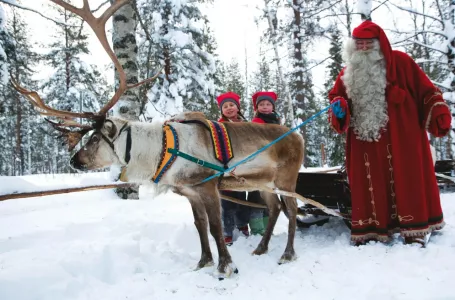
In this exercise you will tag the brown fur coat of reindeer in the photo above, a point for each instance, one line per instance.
(138, 146)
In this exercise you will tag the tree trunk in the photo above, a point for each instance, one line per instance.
(67, 56)
(298, 65)
(289, 111)
(125, 47)
(451, 44)
(348, 18)
(19, 154)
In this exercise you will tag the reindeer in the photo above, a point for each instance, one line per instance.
(138, 147)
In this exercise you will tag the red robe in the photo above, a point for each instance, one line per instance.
(393, 184)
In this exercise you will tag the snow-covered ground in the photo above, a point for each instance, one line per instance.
(91, 245)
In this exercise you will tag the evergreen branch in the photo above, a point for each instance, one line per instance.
(36, 12)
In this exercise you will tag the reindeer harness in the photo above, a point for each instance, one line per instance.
(221, 142)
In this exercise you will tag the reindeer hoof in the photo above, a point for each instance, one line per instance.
(287, 257)
(228, 271)
(204, 264)
(260, 251)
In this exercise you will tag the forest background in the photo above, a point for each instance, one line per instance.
(292, 47)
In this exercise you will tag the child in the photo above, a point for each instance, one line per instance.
(264, 108)
(233, 214)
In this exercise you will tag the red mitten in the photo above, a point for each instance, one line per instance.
(342, 107)
(440, 122)
(340, 125)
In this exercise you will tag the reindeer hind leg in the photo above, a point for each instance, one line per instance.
(290, 204)
(274, 207)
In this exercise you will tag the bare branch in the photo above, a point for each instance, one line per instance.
(143, 25)
(383, 2)
(323, 9)
(424, 45)
(418, 13)
(101, 5)
(420, 32)
(36, 12)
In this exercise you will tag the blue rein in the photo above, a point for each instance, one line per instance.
(251, 156)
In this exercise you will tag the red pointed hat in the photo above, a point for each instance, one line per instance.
(264, 96)
(370, 30)
(228, 97)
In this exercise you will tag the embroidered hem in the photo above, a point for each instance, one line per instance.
(403, 232)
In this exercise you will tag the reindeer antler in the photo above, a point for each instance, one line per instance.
(98, 26)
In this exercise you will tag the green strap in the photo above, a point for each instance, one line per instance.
(195, 160)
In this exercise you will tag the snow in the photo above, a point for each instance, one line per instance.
(364, 7)
(92, 245)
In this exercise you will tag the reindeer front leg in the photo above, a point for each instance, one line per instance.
(211, 200)
(200, 221)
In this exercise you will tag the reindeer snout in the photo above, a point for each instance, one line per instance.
(75, 163)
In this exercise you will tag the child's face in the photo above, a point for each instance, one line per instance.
(265, 107)
(229, 110)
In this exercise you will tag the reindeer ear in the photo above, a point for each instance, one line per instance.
(110, 129)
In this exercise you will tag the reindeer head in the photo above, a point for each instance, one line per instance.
(99, 150)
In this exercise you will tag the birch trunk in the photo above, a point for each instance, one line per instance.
(298, 65)
(125, 47)
(289, 110)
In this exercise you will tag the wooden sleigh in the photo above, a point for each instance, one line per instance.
(332, 191)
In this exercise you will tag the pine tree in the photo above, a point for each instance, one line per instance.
(335, 143)
(210, 46)
(262, 80)
(23, 129)
(234, 82)
(177, 42)
(74, 85)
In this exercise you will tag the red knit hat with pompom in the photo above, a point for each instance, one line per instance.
(264, 96)
(228, 97)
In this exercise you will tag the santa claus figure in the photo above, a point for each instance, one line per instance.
(386, 103)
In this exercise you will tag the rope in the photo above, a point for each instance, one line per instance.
(268, 145)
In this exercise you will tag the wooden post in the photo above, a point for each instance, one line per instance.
(323, 158)
(62, 191)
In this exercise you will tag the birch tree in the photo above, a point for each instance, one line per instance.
(124, 24)
(270, 15)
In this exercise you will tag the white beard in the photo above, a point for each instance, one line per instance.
(365, 82)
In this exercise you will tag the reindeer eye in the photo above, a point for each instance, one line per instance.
(95, 139)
